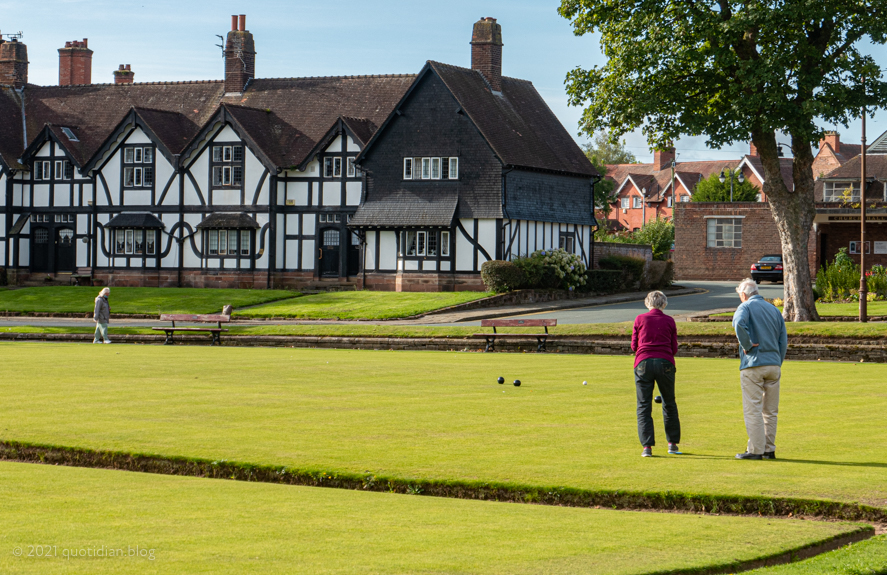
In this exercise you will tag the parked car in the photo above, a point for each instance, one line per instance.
(768, 268)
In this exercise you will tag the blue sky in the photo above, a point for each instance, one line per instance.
(167, 41)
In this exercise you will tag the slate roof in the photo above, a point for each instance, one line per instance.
(875, 167)
(517, 123)
(239, 220)
(174, 129)
(406, 208)
(362, 128)
(135, 220)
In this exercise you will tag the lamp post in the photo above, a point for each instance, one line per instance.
(723, 178)
(643, 207)
(863, 284)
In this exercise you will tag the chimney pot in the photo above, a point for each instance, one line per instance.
(662, 158)
(486, 51)
(234, 22)
(240, 57)
(75, 63)
(123, 75)
(242, 26)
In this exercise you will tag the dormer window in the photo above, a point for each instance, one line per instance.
(69, 134)
(42, 170)
(332, 167)
(227, 166)
(138, 167)
(446, 168)
(64, 170)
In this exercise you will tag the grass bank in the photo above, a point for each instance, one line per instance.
(864, 558)
(190, 525)
(126, 300)
(440, 416)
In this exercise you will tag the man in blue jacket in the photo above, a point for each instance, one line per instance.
(763, 341)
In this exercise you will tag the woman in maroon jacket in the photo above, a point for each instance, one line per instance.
(654, 340)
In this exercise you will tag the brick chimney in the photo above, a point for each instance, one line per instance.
(75, 63)
(13, 63)
(662, 159)
(486, 51)
(752, 149)
(240, 56)
(123, 75)
(833, 139)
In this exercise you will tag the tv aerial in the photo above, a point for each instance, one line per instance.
(221, 46)
(15, 36)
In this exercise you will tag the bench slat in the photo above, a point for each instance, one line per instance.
(195, 317)
(505, 335)
(189, 329)
(518, 322)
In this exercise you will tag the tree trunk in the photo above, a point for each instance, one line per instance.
(793, 211)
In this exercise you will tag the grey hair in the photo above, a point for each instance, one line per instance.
(104, 291)
(748, 287)
(656, 299)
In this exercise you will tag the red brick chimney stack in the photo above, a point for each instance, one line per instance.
(75, 63)
(833, 139)
(486, 51)
(240, 56)
(123, 75)
(13, 63)
(752, 149)
(662, 159)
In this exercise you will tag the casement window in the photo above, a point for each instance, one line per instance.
(685, 198)
(626, 203)
(670, 202)
(431, 168)
(637, 202)
(135, 242)
(332, 167)
(64, 218)
(567, 241)
(835, 191)
(42, 170)
(228, 243)
(138, 167)
(227, 166)
(40, 218)
(64, 170)
(425, 243)
(724, 232)
(352, 169)
(329, 218)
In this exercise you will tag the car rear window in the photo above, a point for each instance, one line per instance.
(771, 259)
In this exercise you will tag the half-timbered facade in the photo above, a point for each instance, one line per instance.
(249, 182)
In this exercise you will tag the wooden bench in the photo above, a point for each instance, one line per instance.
(494, 323)
(215, 332)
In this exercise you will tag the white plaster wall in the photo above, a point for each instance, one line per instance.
(370, 252)
(133, 198)
(352, 193)
(191, 260)
(262, 262)
(486, 231)
(82, 257)
(445, 266)
(19, 195)
(87, 194)
(253, 170)
(41, 195)
(292, 254)
(292, 224)
(44, 150)
(298, 192)
(309, 224)
(61, 195)
(352, 145)
(24, 254)
(332, 193)
(307, 254)
(102, 236)
(335, 145)
(227, 135)
(111, 172)
(387, 250)
(2, 189)
(311, 170)
(464, 250)
(540, 235)
(281, 192)
(280, 239)
(429, 265)
(411, 265)
(137, 136)
(198, 169)
(172, 260)
(226, 197)
(163, 171)
(172, 195)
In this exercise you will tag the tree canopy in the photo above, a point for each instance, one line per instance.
(606, 150)
(730, 69)
(712, 190)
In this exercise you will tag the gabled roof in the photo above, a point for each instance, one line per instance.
(659, 181)
(517, 124)
(879, 146)
(786, 168)
(875, 169)
(335, 130)
(361, 128)
(54, 134)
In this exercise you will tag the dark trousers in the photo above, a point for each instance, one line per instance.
(661, 372)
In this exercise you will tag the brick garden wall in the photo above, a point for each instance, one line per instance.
(604, 249)
(694, 260)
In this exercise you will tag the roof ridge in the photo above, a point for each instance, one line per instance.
(168, 83)
(344, 76)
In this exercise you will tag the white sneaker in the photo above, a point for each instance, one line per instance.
(107, 341)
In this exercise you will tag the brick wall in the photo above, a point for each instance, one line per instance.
(694, 260)
(832, 237)
(424, 282)
(604, 249)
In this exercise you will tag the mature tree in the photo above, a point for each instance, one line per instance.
(728, 69)
(712, 190)
(603, 189)
(607, 150)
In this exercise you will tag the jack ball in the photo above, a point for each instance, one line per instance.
(584, 383)
(501, 380)
(516, 383)
(658, 399)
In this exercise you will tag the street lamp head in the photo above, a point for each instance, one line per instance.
(722, 177)
(740, 177)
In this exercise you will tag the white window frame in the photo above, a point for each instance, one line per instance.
(212, 237)
(625, 203)
(728, 225)
(831, 191)
(223, 242)
(454, 169)
(408, 168)
(150, 242)
(637, 202)
(138, 155)
(426, 168)
(421, 243)
(351, 168)
(444, 244)
(128, 244)
(244, 243)
(685, 198)
(435, 168)
(670, 201)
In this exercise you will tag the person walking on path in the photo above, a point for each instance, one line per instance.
(654, 340)
(763, 340)
(102, 317)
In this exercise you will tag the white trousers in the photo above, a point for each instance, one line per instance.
(760, 404)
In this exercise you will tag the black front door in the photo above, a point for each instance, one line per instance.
(329, 253)
(64, 250)
(353, 254)
(40, 248)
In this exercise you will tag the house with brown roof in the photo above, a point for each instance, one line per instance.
(253, 182)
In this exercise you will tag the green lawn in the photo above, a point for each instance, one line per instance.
(361, 305)
(867, 557)
(72, 299)
(442, 416)
(875, 308)
(868, 331)
(189, 525)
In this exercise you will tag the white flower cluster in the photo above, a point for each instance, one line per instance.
(568, 267)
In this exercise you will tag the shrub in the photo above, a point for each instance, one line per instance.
(604, 281)
(632, 268)
(837, 280)
(552, 269)
(501, 276)
(659, 235)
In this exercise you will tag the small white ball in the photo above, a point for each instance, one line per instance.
(584, 383)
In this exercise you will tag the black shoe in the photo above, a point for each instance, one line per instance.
(748, 455)
(673, 449)
(769, 455)
(648, 452)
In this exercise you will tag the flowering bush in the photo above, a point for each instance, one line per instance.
(839, 281)
(552, 269)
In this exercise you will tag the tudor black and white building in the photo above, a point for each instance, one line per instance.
(389, 182)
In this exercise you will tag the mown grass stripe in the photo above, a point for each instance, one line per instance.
(460, 489)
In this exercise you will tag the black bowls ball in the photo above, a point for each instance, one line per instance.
(658, 399)
(501, 380)
(516, 383)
